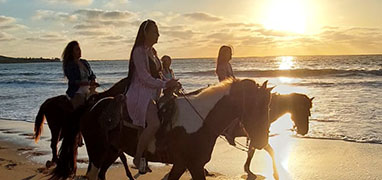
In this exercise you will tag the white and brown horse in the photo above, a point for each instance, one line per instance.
(298, 105)
(191, 137)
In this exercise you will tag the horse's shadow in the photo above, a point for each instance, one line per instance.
(250, 177)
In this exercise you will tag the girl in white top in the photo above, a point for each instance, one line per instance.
(223, 67)
(167, 71)
(224, 71)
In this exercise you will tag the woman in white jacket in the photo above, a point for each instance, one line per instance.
(145, 88)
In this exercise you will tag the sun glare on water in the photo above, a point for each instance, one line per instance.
(285, 84)
(286, 15)
(286, 62)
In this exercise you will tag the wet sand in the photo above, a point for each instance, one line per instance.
(298, 158)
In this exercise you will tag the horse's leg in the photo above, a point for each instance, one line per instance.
(93, 172)
(270, 151)
(247, 164)
(176, 172)
(124, 161)
(197, 172)
(111, 156)
(55, 133)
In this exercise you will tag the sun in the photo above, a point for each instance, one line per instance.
(286, 15)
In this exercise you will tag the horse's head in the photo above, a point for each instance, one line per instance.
(254, 103)
(301, 114)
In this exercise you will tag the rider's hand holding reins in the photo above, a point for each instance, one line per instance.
(172, 83)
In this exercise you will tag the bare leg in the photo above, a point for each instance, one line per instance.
(148, 133)
(270, 151)
(176, 172)
(247, 164)
(124, 161)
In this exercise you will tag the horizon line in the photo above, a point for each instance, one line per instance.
(183, 58)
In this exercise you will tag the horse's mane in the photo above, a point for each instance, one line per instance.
(302, 98)
(203, 102)
(221, 88)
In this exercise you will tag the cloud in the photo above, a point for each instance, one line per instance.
(88, 26)
(6, 37)
(92, 33)
(12, 27)
(116, 3)
(89, 22)
(114, 38)
(74, 2)
(240, 25)
(95, 14)
(47, 37)
(269, 32)
(183, 34)
(48, 15)
(6, 20)
(94, 19)
(352, 35)
(9, 23)
(199, 16)
(221, 35)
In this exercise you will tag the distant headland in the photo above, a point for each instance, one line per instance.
(5, 59)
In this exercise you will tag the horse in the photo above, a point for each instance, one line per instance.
(56, 111)
(191, 136)
(299, 106)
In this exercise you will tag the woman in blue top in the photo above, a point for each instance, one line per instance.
(80, 76)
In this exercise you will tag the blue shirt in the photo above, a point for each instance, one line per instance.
(72, 72)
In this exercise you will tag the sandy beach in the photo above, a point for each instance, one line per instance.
(298, 158)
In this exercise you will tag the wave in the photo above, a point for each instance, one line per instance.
(348, 139)
(26, 74)
(31, 82)
(295, 73)
(374, 84)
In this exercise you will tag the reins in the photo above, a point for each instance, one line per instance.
(242, 148)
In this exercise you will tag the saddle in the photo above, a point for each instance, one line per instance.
(166, 112)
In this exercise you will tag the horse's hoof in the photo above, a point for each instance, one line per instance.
(208, 173)
(49, 164)
(276, 176)
(251, 175)
(148, 169)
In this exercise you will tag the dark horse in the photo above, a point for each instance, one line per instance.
(57, 110)
(190, 139)
(298, 105)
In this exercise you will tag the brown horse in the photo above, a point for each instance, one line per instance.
(299, 106)
(57, 110)
(190, 139)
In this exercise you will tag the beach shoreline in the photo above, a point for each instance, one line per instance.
(298, 158)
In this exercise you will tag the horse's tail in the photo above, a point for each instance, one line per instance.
(39, 122)
(67, 158)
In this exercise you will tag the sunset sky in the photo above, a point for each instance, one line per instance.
(106, 29)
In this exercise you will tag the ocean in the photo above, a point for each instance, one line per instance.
(347, 89)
